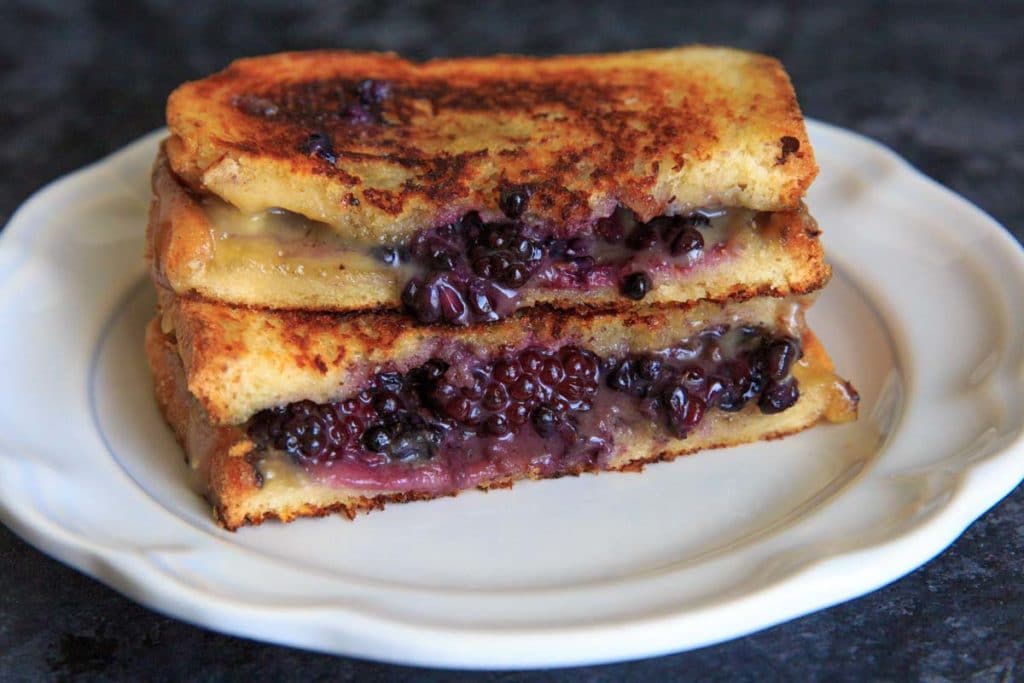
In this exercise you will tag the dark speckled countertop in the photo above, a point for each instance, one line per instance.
(941, 83)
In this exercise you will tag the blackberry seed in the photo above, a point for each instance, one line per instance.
(482, 267)
(572, 390)
(731, 400)
(434, 369)
(475, 391)
(443, 394)
(481, 302)
(685, 411)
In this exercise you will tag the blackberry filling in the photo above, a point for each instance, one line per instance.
(470, 271)
(551, 408)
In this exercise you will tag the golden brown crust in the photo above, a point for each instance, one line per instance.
(658, 131)
(785, 258)
(215, 454)
(238, 498)
(240, 360)
(179, 237)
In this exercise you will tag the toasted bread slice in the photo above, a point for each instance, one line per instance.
(399, 146)
(239, 360)
(233, 474)
(202, 247)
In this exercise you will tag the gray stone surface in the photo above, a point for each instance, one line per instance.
(939, 82)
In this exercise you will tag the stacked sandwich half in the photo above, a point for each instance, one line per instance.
(386, 281)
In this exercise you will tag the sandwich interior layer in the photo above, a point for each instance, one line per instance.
(485, 422)
(242, 360)
(470, 271)
(446, 426)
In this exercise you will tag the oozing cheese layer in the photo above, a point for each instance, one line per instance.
(469, 271)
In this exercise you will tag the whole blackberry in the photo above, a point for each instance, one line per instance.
(471, 269)
(718, 367)
(383, 418)
(304, 430)
(506, 393)
(499, 252)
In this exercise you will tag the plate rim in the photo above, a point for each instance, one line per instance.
(979, 486)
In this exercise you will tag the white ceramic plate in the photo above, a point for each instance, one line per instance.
(924, 315)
